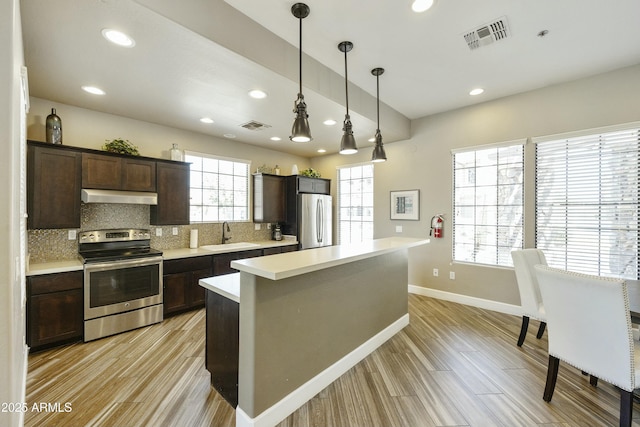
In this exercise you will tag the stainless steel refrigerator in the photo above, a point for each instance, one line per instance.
(314, 220)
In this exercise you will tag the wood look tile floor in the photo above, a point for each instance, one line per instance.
(454, 365)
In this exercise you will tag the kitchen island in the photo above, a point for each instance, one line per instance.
(307, 317)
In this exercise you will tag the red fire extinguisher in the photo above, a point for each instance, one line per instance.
(437, 223)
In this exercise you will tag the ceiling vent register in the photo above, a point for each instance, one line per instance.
(253, 125)
(488, 33)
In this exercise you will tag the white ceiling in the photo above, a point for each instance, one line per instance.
(196, 58)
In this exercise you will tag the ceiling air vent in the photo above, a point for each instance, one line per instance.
(488, 33)
(253, 125)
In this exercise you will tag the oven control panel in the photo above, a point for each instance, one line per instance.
(119, 235)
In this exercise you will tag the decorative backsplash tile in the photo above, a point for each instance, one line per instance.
(54, 245)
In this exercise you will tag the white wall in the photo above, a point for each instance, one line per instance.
(424, 162)
(13, 351)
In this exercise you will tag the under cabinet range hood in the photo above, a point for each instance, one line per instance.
(90, 195)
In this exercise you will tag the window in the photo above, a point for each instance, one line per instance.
(219, 188)
(488, 203)
(355, 203)
(587, 201)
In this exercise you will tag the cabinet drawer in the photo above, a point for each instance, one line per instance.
(271, 251)
(187, 264)
(57, 282)
(221, 263)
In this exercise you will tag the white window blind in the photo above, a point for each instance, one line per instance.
(587, 202)
(355, 203)
(219, 188)
(488, 203)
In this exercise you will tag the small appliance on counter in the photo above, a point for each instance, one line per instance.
(277, 233)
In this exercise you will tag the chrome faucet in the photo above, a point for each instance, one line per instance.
(225, 229)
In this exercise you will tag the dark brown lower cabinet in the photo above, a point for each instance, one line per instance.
(54, 309)
(181, 291)
(221, 262)
(223, 335)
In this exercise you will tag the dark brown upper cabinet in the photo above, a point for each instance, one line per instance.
(113, 172)
(269, 198)
(53, 187)
(172, 182)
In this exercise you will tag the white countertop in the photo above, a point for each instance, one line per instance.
(227, 285)
(186, 252)
(290, 264)
(35, 269)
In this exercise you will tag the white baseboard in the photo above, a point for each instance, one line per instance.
(285, 407)
(501, 307)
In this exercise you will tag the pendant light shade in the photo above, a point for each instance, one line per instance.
(378, 154)
(300, 132)
(348, 142)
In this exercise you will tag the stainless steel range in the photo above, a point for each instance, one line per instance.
(122, 281)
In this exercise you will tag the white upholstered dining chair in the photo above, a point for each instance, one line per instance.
(590, 328)
(530, 300)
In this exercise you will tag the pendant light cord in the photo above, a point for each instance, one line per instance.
(378, 100)
(346, 81)
(300, 61)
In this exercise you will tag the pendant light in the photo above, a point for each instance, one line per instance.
(348, 142)
(378, 154)
(300, 131)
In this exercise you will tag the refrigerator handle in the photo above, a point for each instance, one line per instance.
(319, 221)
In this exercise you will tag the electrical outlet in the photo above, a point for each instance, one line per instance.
(268, 226)
(158, 232)
(452, 275)
(174, 231)
(398, 229)
(72, 235)
(435, 272)
(256, 226)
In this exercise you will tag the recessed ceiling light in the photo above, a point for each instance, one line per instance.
(322, 150)
(206, 120)
(422, 5)
(275, 138)
(118, 37)
(93, 90)
(257, 94)
(476, 91)
(329, 122)
(372, 139)
(229, 135)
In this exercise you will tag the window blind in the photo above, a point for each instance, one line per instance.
(355, 203)
(488, 203)
(219, 188)
(587, 202)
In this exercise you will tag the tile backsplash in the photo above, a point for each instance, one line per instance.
(54, 245)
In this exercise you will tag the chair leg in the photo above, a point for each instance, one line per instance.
(626, 408)
(543, 325)
(523, 330)
(593, 381)
(552, 376)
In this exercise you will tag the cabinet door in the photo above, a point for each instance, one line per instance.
(176, 291)
(53, 188)
(54, 309)
(198, 293)
(290, 248)
(101, 171)
(138, 175)
(172, 182)
(268, 198)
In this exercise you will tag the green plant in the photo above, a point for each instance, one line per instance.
(310, 172)
(121, 146)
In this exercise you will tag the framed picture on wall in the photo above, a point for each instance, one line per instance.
(405, 205)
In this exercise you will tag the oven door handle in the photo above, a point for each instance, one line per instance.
(125, 263)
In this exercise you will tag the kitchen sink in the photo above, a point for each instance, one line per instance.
(226, 247)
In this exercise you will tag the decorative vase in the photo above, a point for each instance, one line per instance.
(54, 128)
(176, 154)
